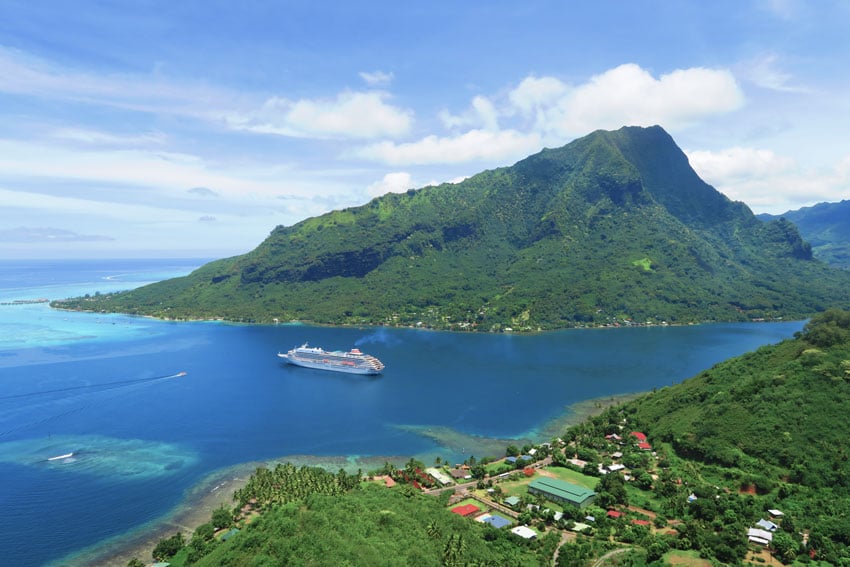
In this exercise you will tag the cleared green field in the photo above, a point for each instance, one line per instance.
(687, 558)
(569, 475)
(515, 487)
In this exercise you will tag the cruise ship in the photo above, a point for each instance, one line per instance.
(352, 362)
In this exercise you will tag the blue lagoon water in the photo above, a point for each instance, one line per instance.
(105, 388)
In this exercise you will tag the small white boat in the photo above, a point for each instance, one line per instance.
(60, 457)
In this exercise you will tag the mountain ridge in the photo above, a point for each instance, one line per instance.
(614, 227)
(826, 226)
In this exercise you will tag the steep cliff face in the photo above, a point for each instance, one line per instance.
(615, 225)
(827, 227)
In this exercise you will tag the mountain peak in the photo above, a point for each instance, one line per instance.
(614, 226)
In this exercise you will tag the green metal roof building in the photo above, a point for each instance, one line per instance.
(512, 501)
(560, 491)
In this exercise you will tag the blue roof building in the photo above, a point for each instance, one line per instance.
(497, 521)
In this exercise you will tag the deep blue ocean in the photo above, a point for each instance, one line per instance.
(103, 387)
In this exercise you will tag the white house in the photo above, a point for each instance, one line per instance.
(524, 532)
(438, 476)
(761, 537)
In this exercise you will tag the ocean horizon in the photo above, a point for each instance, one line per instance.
(101, 434)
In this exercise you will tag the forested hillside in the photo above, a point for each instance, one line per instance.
(614, 227)
(827, 227)
(371, 526)
(774, 419)
(763, 432)
(783, 405)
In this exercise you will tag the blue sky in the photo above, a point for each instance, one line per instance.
(193, 128)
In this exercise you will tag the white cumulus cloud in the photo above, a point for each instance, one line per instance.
(376, 78)
(481, 114)
(734, 164)
(396, 182)
(630, 95)
(768, 182)
(348, 115)
(470, 146)
(546, 110)
(534, 93)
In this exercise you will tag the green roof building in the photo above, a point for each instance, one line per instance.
(560, 491)
(512, 501)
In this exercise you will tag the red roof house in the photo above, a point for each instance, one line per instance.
(640, 436)
(466, 510)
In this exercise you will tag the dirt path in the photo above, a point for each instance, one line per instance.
(565, 537)
(601, 561)
(643, 511)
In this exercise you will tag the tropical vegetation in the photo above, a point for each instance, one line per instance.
(757, 442)
(613, 228)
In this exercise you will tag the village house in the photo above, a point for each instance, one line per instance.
(438, 476)
(760, 537)
(524, 532)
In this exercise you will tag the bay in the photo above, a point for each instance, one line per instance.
(108, 389)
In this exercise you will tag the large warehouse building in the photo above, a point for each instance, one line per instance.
(560, 491)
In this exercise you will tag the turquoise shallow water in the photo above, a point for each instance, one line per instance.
(104, 388)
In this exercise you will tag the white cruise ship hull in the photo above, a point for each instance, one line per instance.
(330, 365)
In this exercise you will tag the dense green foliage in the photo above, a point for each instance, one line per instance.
(314, 517)
(772, 421)
(287, 483)
(784, 405)
(614, 226)
(370, 526)
(827, 227)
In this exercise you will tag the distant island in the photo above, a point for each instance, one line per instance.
(614, 228)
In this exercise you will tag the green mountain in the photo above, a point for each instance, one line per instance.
(783, 405)
(764, 431)
(827, 227)
(612, 227)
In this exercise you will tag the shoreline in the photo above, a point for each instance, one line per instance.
(217, 488)
(624, 324)
(196, 508)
